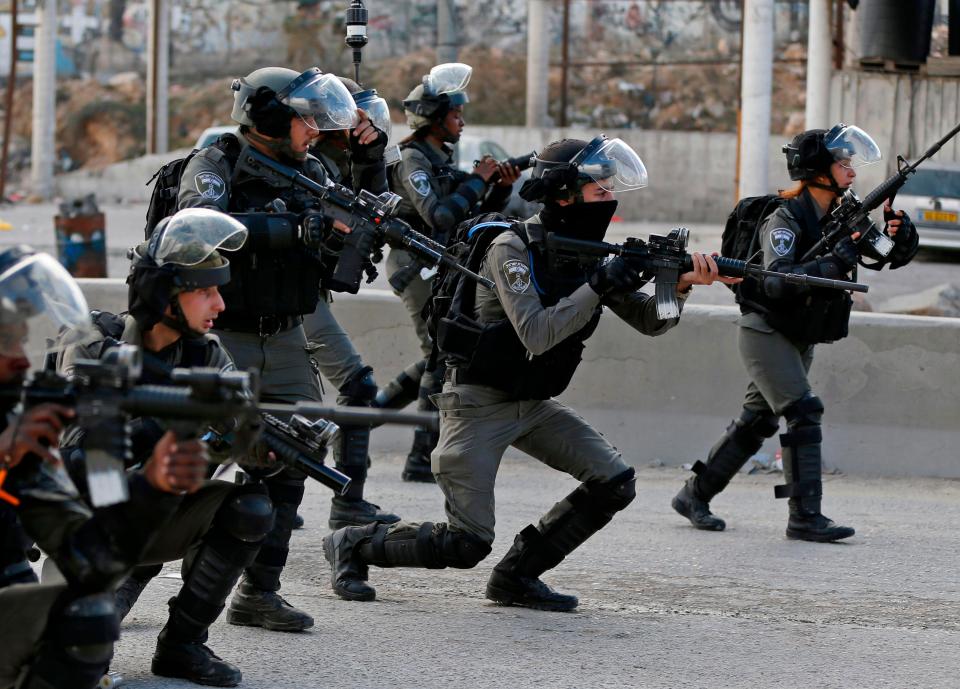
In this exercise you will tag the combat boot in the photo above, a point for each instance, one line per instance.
(347, 512)
(417, 466)
(743, 438)
(515, 580)
(253, 607)
(193, 661)
(802, 469)
(696, 510)
(348, 573)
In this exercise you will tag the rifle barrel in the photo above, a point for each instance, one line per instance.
(355, 416)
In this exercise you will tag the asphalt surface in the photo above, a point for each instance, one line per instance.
(662, 605)
(33, 224)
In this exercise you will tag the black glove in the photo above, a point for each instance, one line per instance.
(906, 242)
(368, 153)
(615, 275)
(846, 251)
(316, 228)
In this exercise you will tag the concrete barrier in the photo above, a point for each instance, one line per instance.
(891, 389)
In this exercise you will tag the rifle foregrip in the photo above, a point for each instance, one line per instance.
(295, 459)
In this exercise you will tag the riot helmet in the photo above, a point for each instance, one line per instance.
(562, 169)
(269, 98)
(440, 90)
(376, 108)
(38, 297)
(182, 254)
(813, 152)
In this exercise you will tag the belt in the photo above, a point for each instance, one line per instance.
(460, 377)
(264, 326)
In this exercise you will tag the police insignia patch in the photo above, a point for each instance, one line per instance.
(517, 274)
(781, 240)
(420, 181)
(210, 185)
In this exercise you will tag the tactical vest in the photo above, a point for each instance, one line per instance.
(492, 354)
(813, 316)
(268, 281)
(447, 176)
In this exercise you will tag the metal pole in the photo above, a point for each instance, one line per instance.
(736, 176)
(43, 141)
(819, 59)
(158, 79)
(538, 59)
(8, 99)
(446, 31)
(565, 63)
(755, 93)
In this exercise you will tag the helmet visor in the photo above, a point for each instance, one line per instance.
(447, 78)
(323, 103)
(851, 146)
(613, 165)
(376, 108)
(193, 234)
(39, 298)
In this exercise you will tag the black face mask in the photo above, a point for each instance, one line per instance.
(579, 220)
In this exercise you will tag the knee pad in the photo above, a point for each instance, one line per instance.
(757, 424)
(806, 411)
(459, 549)
(605, 498)
(86, 629)
(247, 514)
(359, 390)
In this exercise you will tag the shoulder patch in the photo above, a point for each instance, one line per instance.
(210, 185)
(517, 274)
(782, 240)
(420, 181)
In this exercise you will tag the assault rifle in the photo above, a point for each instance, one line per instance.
(105, 393)
(365, 214)
(663, 259)
(853, 215)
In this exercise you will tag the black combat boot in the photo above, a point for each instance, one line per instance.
(743, 439)
(802, 467)
(192, 660)
(256, 602)
(351, 455)
(351, 551)
(516, 581)
(130, 588)
(516, 578)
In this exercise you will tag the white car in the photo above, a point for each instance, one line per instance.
(931, 197)
(211, 134)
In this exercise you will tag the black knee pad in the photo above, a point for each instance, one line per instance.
(86, 628)
(359, 390)
(605, 498)
(806, 411)
(459, 549)
(757, 424)
(247, 514)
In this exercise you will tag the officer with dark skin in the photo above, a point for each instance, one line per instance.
(275, 281)
(499, 392)
(61, 635)
(174, 301)
(436, 197)
(353, 158)
(780, 325)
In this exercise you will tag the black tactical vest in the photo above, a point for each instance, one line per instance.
(500, 360)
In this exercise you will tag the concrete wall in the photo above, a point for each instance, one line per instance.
(892, 389)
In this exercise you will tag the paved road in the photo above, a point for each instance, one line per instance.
(33, 224)
(662, 605)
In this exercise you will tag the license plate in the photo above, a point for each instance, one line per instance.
(938, 216)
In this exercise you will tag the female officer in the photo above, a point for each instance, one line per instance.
(781, 323)
(436, 197)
